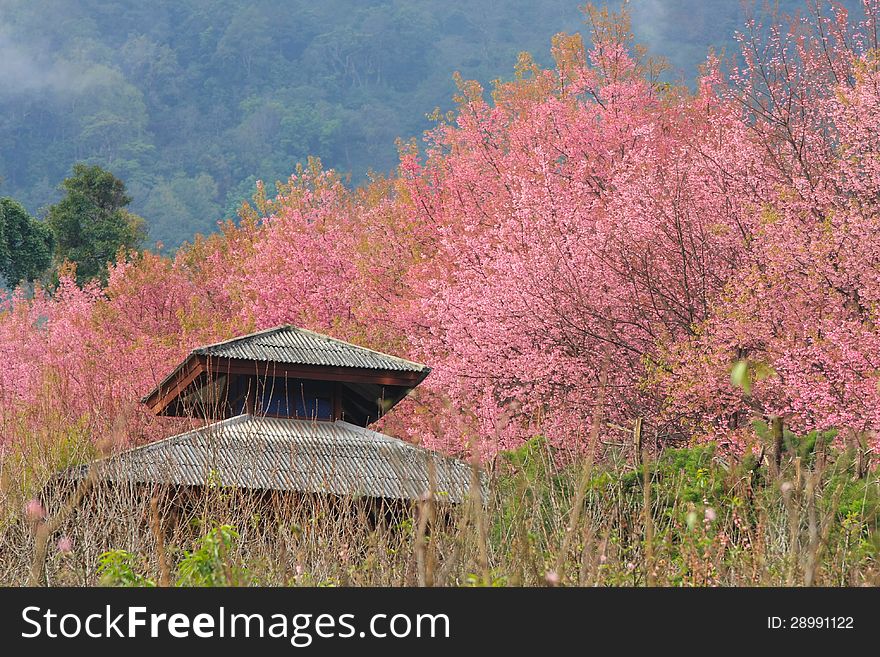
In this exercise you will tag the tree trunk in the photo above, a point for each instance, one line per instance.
(776, 432)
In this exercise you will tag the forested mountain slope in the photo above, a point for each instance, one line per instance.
(191, 101)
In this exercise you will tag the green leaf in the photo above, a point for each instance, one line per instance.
(741, 377)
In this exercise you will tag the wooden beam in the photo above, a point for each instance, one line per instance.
(219, 365)
(198, 364)
(162, 397)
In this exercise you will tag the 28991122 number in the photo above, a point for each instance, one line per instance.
(810, 623)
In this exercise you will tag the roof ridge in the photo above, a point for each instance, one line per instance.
(238, 338)
(365, 430)
(341, 424)
(244, 418)
(330, 338)
(354, 428)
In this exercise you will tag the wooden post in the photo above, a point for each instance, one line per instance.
(777, 433)
(158, 534)
(337, 400)
(638, 446)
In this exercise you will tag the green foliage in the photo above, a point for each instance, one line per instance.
(690, 473)
(25, 244)
(496, 580)
(529, 484)
(739, 376)
(117, 568)
(745, 372)
(91, 223)
(699, 502)
(805, 446)
(530, 459)
(860, 501)
(172, 95)
(856, 500)
(210, 563)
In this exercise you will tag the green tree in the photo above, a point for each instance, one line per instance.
(25, 244)
(91, 223)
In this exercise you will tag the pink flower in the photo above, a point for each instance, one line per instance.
(709, 514)
(552, 578)
(65, 545)
(34, 510)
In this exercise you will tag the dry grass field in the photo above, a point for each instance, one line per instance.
(687, 517)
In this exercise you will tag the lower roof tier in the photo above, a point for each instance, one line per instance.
(268, 453)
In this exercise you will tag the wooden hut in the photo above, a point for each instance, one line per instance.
(289, 412)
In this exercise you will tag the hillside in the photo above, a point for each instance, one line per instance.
(190, 102)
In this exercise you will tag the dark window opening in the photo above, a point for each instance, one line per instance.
(282, 397)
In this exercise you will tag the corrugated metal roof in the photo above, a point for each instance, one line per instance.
(294, 455)
(290, 344)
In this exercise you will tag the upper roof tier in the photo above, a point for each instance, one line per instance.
(296, 346)
(280, 370)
